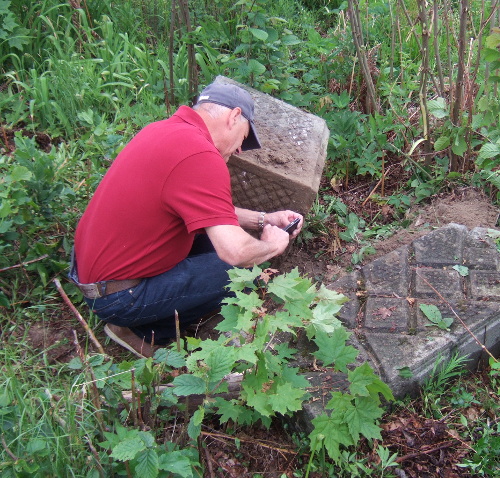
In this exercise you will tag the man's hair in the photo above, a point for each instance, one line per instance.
(214, 110)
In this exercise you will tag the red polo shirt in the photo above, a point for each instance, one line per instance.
(167, 183)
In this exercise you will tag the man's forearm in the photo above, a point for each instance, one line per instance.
(249, 219)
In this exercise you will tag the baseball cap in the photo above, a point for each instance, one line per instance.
(232, 96)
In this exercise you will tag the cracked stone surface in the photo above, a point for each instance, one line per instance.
(286, 172)
(389, 329)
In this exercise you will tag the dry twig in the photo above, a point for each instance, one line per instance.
(79, 317)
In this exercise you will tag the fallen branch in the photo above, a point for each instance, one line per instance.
(248, 440)
(25, 263)
(457, 316)
(79, 317)
(377, 185)
(425, 452)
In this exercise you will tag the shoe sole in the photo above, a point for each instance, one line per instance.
(121, 342)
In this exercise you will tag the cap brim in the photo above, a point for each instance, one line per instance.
(252, 140)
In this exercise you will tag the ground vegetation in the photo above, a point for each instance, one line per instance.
(409, 91)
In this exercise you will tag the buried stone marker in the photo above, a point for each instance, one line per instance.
(286, 172)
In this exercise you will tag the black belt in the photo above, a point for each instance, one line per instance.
(104, 288)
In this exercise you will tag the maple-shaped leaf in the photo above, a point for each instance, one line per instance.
(258, 400)
(300, 309)
(333, 297)
(333, 350)
(361, 418)
(292, 286)
(284, 352)
(283, 320)
(250, 301)
(206, 347)
(292, 375)
(323, 320)
(383, 313)
(246, 353)
(364, 382)
(231, 313)
(332, 432)
(241, 279)
(228, 410)
(287, 398)
(339, 402)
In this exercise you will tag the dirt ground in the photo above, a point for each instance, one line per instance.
(272, 452)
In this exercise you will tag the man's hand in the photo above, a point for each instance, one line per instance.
(281, 219)
(276, 236)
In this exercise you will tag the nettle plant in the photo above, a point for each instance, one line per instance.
(254, 345)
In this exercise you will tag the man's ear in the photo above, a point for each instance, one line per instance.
(234, 116)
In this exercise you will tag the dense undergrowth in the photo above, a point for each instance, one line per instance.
(406, 88)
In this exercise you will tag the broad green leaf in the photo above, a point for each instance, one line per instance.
(490, 54)
(255, 67)
(219, 363)
(247, 353)
(170, 357)
(459, 146)
(187, 384)
(243, 278)
(284, 321)
(20, 173)
(228, 410)
(405, 372)
(4, 7)
(493, 40)
(128, 449)
(194, 426)
(438, 108)
(340, 402)
(332, 349)
(290, 40)
(431, 312)
(361, 418)
(147, 464)
(441, 143)
(292, 375)
(489, 150)
(287, 398)
(259, 34)
(284, 287)
(332, 432)
(258, 400)
(176, 462)
(364, 382)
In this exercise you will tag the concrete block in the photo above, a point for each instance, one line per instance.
(443, 246)
(286, 172)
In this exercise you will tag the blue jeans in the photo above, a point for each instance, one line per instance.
(193, 288)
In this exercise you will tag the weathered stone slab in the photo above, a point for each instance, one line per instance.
(442, 247)
(285, 173)
(389, 329)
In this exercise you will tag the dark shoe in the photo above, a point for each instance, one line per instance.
(126, 338)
